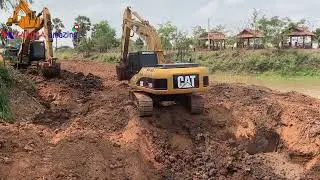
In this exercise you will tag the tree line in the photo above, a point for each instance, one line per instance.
(101, 37)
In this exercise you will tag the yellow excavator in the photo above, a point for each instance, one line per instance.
(34, 53)
(151, 78)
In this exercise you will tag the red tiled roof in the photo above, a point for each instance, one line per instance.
(250, 33)
(301, 31)
(214, 35)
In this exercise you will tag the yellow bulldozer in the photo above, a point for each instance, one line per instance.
(154, 80)
(33, 53)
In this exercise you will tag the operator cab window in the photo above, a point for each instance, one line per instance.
(148, 59)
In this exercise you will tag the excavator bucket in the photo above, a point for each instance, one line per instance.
(50, 69)
(122, 72)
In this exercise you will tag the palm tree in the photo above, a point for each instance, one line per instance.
(57, 26)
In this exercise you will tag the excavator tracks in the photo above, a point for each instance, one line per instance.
(143, 102)
(195, 104)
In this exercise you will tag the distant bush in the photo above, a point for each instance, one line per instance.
(106, 57)
(64, 53)
(68, 54)
(282, 62)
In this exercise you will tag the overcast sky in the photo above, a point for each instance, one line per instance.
(234, 14)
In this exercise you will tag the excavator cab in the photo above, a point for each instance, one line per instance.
(140, 59)
(37, 50)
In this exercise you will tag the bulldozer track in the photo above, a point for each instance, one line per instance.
(143, 102)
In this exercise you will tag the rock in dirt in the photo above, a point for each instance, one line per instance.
(28, 147)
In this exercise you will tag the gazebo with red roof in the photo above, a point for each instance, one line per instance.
(217, 40)
(248, 34)
(299, 32)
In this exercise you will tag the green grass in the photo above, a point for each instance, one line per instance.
(9, 79)
(264, 63)
(65, 54)
(69, 54)
(105, 57)
(5, 112)
(284, 63)
(5, 82)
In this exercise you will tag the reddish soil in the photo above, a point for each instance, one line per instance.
(83, 126)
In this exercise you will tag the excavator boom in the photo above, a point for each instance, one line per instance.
(133, 22)
(144, 30)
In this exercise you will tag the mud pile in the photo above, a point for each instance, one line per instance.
(87, 128)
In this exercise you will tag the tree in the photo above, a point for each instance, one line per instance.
(273, 29)
(57, 26)
(117, 42)
(104, 36)
(254, 23)
(317, 33)
(85, 46)
(276, 29)
(182, 44)
(219, 27)
(231, 40)
(291, 25)
(166, 32)
(198, 31)
(84, 27)
(255, 19)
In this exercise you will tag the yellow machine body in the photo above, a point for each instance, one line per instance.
(140, 80)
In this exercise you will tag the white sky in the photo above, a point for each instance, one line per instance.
(234, 14)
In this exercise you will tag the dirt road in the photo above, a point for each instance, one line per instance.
(82, 126)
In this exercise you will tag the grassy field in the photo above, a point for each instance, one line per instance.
(265, 63)
(67, 54)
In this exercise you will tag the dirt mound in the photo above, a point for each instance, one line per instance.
(88, 129)
(293, 116)
(24, 106)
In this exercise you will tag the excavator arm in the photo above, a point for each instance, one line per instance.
(144, 30)
(46, 24)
